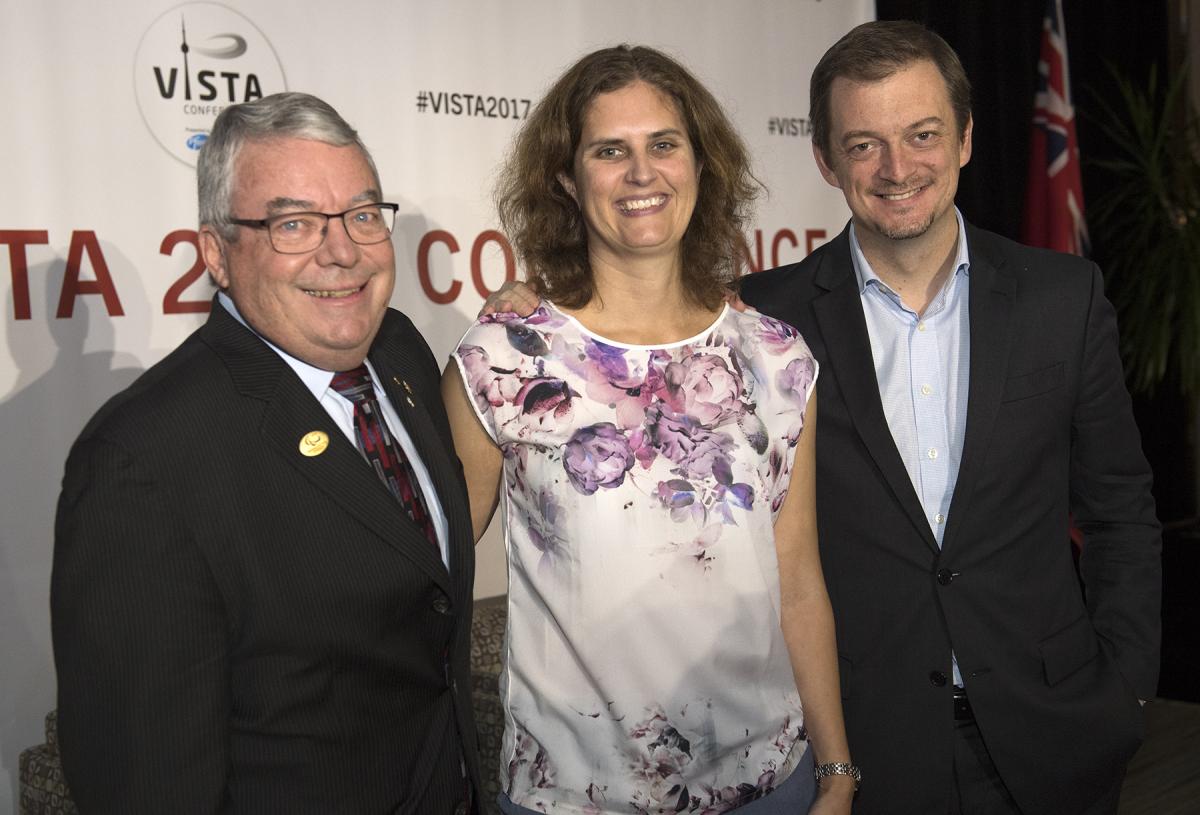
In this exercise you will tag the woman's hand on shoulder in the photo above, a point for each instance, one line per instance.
(515, 296)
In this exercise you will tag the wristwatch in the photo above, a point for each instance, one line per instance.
(838, 768)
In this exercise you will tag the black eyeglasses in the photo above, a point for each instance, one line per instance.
(295, 233)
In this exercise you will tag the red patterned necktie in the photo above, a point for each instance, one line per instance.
(383, 453)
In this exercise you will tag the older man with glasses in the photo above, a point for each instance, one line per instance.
(263, 558)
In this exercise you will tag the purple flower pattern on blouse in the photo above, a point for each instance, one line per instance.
(670, 407)
(700, 434)
(529, 759)
(795, 382)
(597, 456)
(543, 529)
(665, 749)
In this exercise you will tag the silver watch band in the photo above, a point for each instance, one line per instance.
(838, 768)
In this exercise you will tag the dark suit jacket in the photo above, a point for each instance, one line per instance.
(242, 628)
(1053, 676)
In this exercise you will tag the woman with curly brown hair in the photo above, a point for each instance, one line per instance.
(667, 611)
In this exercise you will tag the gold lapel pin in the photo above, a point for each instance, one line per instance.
(314, 443)
(404, 384)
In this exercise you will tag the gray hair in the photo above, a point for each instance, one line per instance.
(280, 115)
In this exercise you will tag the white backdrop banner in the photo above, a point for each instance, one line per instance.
(104, 106)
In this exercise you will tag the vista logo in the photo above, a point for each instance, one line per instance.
(193, 62)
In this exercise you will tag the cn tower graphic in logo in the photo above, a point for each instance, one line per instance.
(193, 62)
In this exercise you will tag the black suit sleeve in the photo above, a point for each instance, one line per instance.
(1113, 507)
(139, 644)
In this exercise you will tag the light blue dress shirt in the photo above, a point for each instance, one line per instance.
(341, 411)
(922, 365)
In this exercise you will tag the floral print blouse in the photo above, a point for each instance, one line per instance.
(645, 669)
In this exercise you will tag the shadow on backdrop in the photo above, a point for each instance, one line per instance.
(66, 369)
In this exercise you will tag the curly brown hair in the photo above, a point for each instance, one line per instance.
(545, 224)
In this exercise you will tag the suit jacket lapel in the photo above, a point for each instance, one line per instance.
(398, 371)
(991, 301)
(844, 329)
(289, 413)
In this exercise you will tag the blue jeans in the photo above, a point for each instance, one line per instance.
(793, 797)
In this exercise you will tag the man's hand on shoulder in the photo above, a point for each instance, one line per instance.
(515, 296)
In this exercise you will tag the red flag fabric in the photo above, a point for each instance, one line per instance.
(1054, 195)
(1054, 216)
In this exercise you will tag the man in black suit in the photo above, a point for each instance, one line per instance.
(972, 400)
(250, 614)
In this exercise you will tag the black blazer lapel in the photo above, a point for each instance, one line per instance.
(290, 413)
(992, 293)
(400, 375)
(843, 327)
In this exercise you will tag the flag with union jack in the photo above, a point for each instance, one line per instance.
(1054, 196)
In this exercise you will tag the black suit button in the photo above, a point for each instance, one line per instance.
(937, 679)
(461, 808)
(442, 605)
(945, 577)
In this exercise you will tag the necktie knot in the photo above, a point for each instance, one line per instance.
(354, 384)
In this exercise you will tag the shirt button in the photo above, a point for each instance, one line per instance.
(926, 390)
(921, 326)
(933, 453)
(940, 518)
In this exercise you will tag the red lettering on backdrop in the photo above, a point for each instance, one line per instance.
(430, 238)
(510, 262)
(171, 302)
(753, 260)
(85, 241)
(779, 238)
(17, 240)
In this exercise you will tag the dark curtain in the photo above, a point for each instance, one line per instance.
(998, 42)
